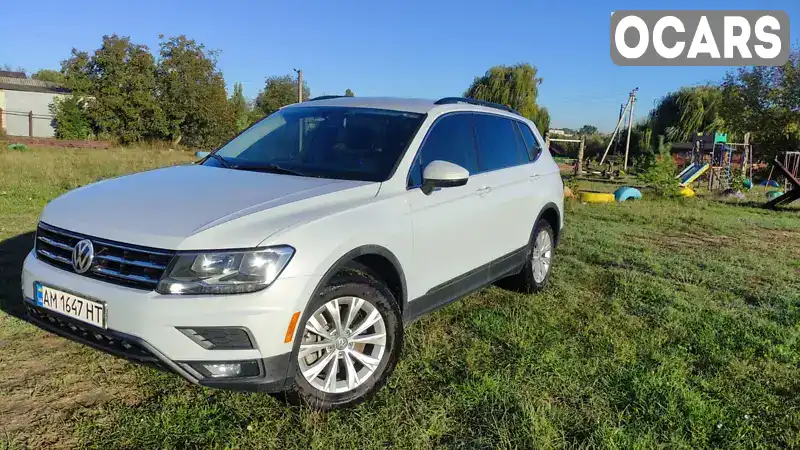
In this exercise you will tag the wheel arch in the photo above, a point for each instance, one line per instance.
(381, 262)
(552, 215)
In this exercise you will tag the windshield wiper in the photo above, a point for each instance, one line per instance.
(221, 160)
(272, 168)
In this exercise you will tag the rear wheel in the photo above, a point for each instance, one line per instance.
(534, 275)
(350, 343)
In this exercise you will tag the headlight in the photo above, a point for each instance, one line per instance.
(232, 272)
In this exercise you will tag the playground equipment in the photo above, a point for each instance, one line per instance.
(597, 197)
(720, 159)
(627, 193)
(792, 192)
(691, 173)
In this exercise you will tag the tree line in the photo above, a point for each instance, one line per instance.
(125, 93)
(121, 92)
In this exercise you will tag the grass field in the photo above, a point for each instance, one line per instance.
(668, 324)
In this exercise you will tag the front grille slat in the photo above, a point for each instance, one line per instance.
(115, 274)
(117, 263)
(56, 243)
(131, 262)
(58, 258)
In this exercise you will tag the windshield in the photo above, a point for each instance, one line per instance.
(327, 142)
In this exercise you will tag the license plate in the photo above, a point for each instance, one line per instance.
(71, 305)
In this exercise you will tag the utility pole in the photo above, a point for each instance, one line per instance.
(614, 134)
(630, 125)
(299, 85)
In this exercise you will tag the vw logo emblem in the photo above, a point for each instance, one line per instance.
(82, 256)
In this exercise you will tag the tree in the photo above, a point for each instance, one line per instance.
(765, 101)
(239, 107)
(120, 80)
(71, 119)
(689, 110)
(349, 93)
(53, 76)
(191, 92)
(8, 68)
(278, 92)
(588, 130)
(515, 86)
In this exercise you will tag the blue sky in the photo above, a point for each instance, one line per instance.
(399, 48)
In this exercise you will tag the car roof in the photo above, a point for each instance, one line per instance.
(415, 105)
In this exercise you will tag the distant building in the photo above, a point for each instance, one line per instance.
(25, 105)
(558, 132)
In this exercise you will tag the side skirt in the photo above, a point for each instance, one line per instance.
(463, 285)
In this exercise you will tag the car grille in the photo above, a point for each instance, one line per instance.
(126, 265)
(104, 340)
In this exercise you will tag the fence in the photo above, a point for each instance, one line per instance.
(26, 123)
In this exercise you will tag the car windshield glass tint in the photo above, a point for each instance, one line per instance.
(328, 142)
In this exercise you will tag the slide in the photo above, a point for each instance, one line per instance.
(691, 173)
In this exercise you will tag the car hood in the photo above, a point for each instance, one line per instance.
(196, 207)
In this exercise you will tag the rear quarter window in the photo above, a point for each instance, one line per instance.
(531, 143)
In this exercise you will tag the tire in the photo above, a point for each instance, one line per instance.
(529, 279)
(346, 288)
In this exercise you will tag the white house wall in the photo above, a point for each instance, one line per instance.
(16, 108)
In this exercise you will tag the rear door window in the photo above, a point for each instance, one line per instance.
(499, 146)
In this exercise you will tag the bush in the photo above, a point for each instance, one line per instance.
(737, 183)
(71, 120)
(660, 176)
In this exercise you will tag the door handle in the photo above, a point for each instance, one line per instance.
(484, 190)
(534, 177)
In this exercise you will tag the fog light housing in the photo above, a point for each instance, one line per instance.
(227, 369)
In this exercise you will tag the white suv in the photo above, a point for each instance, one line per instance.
(291, 258)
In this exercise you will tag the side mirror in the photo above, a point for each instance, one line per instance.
(202, 154)
(441, 174)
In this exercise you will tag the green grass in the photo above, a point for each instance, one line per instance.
(668, 323)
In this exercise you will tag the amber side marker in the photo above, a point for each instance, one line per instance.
(292, 326)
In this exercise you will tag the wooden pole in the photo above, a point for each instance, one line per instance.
(630, 125)
(299, 85)
(30, 123)
(579, 163)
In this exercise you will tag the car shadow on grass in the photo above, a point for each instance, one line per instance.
(12, 254)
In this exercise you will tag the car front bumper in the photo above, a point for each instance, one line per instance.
(144, 326)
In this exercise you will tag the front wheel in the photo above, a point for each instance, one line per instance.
(350, 343)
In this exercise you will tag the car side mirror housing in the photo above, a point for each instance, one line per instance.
(443, 174)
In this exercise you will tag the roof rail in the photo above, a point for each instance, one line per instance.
(472, 101)
(324, 97)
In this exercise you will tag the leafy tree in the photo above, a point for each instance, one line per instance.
(516, 86)
(120, 80)
(349, 93)
(192, 94)
(71, 119)
(587, 130)
(49, 75)
(765, 101)
(689, 110)
(278, 92)
(239, 107)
